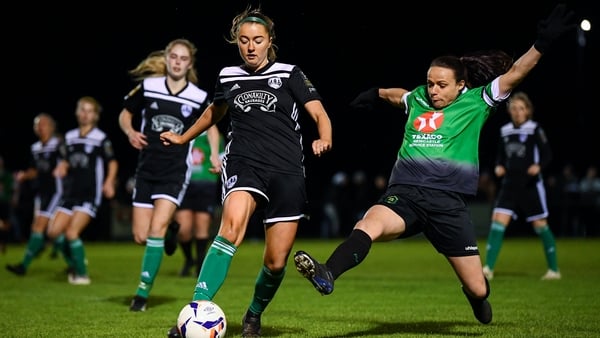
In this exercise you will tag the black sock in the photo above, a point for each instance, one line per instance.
(201, 248)
(186, 248)
(350, 253)
(201, 245)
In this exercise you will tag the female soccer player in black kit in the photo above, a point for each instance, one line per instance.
(88, 168)
(263, 162)
(43, 159)
(523, 152)
(165, 99)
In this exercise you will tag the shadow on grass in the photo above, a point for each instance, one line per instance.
(427, 327)
(153, 300)
(385, 329)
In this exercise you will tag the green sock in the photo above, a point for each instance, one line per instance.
(78, 256)
(150, 264)
(65, 251)
(34, 245)
(214, 269)
(494, 244)
(265, 288)
(549, 246)
(56, 247)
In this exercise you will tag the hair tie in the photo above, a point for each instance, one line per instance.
(254, 19)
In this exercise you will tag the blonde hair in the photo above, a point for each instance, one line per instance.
(253, 15)
(92, 101)
(523, 97)
(155, 64)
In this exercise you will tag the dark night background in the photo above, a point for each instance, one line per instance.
(55, 54)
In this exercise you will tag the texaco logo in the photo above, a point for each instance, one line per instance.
(429, 122)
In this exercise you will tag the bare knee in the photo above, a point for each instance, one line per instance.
(139, 239)
(480, 290)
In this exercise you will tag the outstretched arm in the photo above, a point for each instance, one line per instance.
(211, 115)
(518, 71)
(393, 96)
(367, 99)
(556, 25)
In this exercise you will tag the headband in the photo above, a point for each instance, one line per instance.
(254, 19)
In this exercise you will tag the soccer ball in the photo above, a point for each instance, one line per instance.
(202, 319)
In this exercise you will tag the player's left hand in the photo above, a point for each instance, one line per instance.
(169, 137)
(320, 147)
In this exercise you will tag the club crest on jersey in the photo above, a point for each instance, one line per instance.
(78, 160)
(275, 83)
(186, 110)
(261, 99)
(523, 138)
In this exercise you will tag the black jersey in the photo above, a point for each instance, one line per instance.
(160, 111)
(44, 157)
(519, 148)
(88, 156)
(264, 108)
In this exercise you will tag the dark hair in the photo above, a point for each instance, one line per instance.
(477, 68)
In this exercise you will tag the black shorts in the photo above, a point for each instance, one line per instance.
(70, 205)
(442, 216)
(146, 191)
(45, 204)
(529, 202)
(201, 196)
(282, 197)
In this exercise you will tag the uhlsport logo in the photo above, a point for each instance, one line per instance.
(429, 122)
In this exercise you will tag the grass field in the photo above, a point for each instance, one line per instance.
(402, 289)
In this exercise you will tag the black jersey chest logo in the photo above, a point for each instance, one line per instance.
(263, 100)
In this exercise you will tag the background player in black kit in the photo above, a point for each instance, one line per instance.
(165, 99)
(43, 159)
(263, 163)
(523, 153)
(88, 168)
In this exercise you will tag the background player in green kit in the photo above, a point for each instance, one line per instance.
(195, 215)
(437, 163)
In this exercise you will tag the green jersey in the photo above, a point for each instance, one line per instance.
(440, 149)
(201, 159)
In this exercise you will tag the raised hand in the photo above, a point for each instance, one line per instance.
(553, 27)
